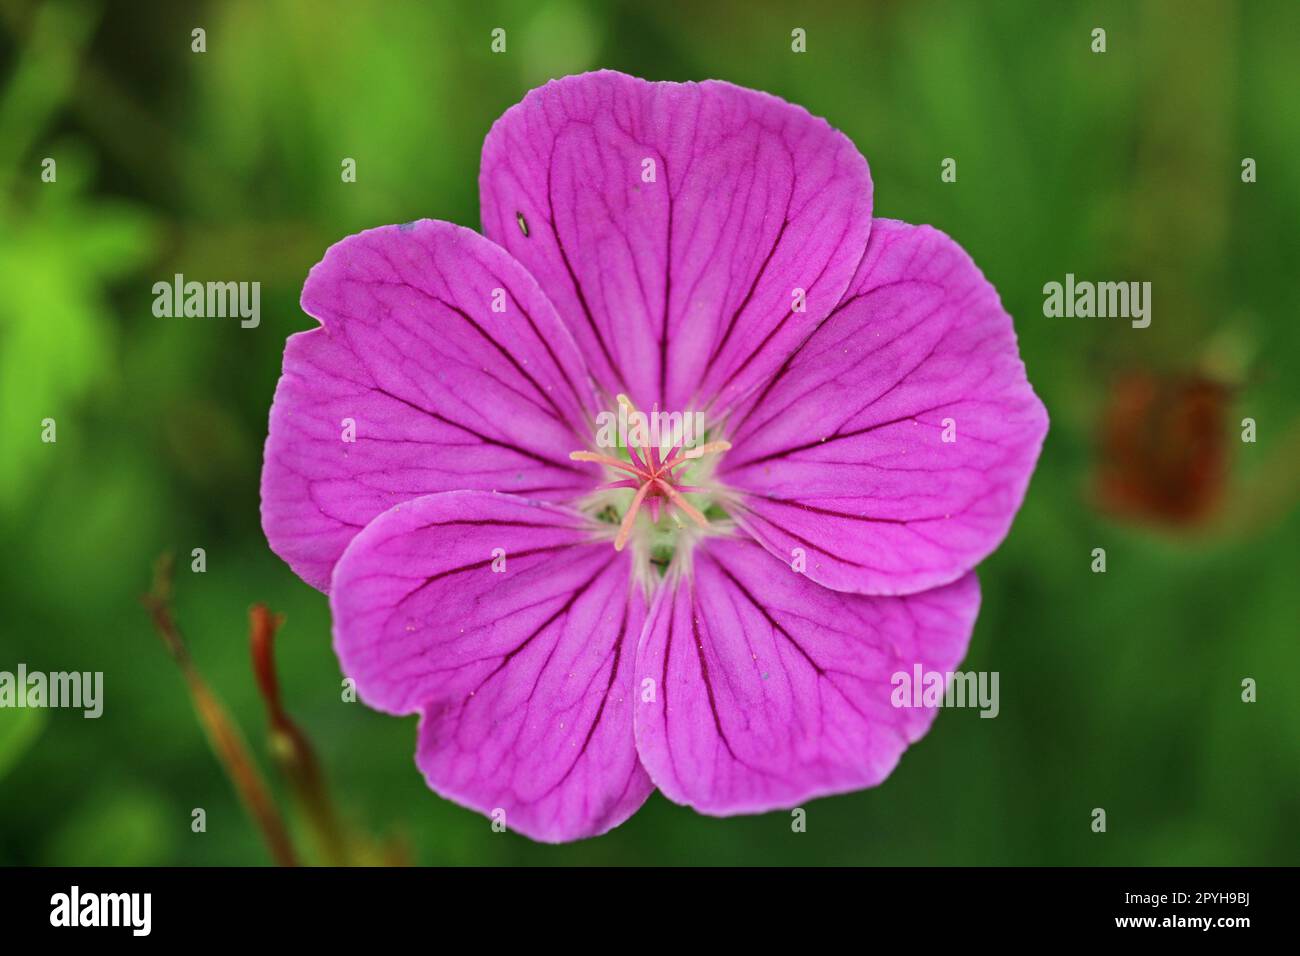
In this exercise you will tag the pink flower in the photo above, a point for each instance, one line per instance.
(577, 625)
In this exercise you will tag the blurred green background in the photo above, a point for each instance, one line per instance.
(1119, 690)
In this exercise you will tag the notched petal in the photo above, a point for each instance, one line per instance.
(440, 366)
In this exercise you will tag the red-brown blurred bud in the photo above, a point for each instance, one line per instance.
(1163, 448)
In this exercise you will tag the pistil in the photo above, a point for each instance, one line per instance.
(655, 478)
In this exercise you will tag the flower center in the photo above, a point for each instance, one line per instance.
(655, 478)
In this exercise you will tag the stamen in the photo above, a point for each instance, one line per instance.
(603, 460)
(626, 403)
(655, 478)
(625, 528)
(654, 438)
(682, 503)
(708, 448)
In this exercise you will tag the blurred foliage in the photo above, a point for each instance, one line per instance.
(1119, 690)
(18, 731)
(59, 250)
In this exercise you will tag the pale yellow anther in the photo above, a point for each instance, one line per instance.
(708, 448)
(603, 460)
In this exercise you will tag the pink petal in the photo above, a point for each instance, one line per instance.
(523, 677)
(679, 290)
(771, 689)
(842, 453)
(445, 393)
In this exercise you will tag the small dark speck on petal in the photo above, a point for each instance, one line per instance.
(523, 223)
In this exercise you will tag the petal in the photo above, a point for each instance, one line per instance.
(844, 453)
(772, 689)
(522, 672)
(679, 290)
(444, 393)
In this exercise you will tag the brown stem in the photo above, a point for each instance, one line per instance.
(290, 747)
(222, 732)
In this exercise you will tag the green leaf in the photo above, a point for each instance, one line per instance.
(19, 728)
